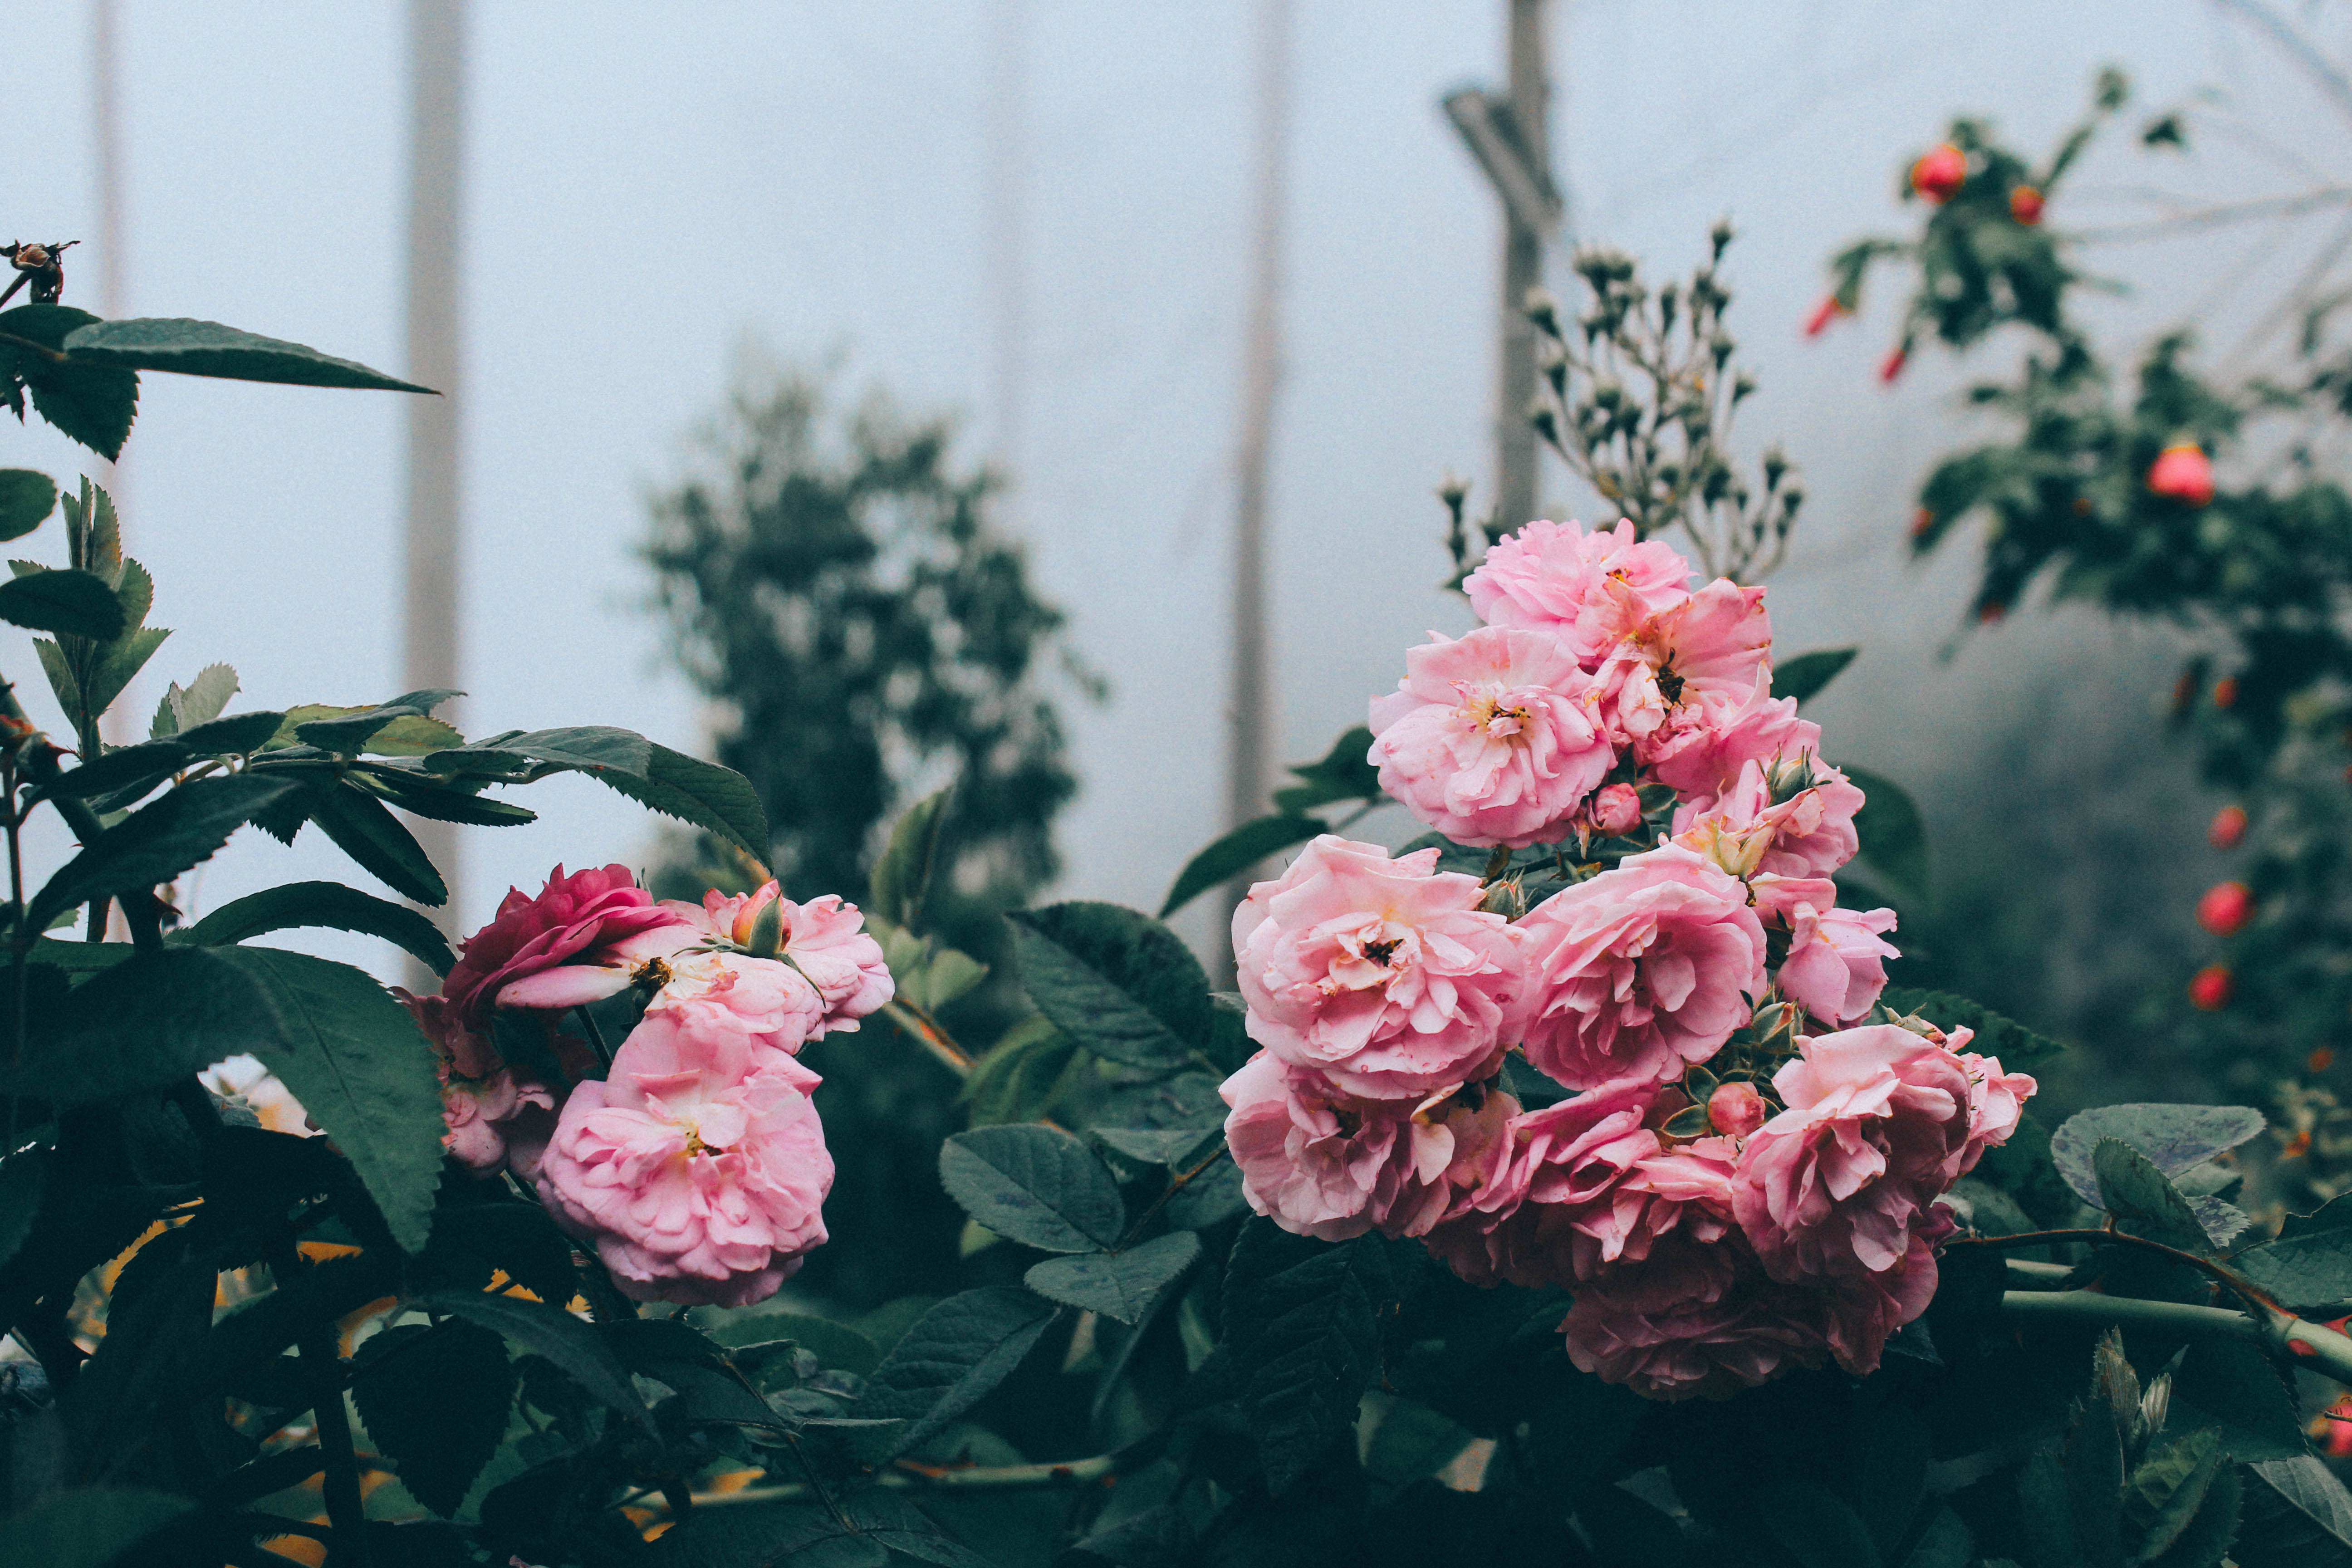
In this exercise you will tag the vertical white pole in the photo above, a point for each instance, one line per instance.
(1250, 701)
(1007, 255)
(430, 654)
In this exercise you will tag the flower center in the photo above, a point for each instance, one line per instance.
(1487, 711)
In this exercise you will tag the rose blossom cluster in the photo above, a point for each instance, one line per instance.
(695, 1165)
(1744, 1175)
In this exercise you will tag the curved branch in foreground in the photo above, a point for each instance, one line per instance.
(2287, 1338)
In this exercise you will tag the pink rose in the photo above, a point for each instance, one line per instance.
(1641, 970)
(1616, 810)
(1836, 963)
(825, 939)
(1810, 832)
(1876, 1126)
(1996, 1101)
(573, 921)
(490, 1118)
(1492, 739)
(1381, 975)
(1701, 761)
(1324, 1165)
(1586, 590)
(1579, 1186)
(765, 1000)
(1860, 1311)
(1695, 1320)
(697, 1170)
(1693, 666)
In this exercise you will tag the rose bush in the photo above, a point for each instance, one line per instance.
(1568, 1183)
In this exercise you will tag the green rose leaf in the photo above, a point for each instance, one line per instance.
(951, 1358)
(156, 843)
(1804, 676)
(571, 1343)
(2309, 1266)
(2142, 1201)
(903, 875)
(207, 348)
(362, 1068)
(702, 794)
(1894, 833)
(2174, 1138)
(1036, 1185)
(1237, 852)
(74, 602)
(1119, 984)
(328, 905)
(88, 401)
(1343, 772)
(435, 1399)
(1121, 1285)
(27, 499)
(86, 1527)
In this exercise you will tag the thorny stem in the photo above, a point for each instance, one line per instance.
(926, 1028)
(2287, 1338)
(595, 1037)
(21, 948)
(1175, 1186)
(909, 1476)
(2255, 1300)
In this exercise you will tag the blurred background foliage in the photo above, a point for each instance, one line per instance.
(866, 633)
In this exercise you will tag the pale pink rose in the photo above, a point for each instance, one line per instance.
(1996, 1101)
(1586, 590)
(697, 1170)
(1877, 1125)
(1641, 970)
(825, 939)
(1735, 1109)
(767, 1001)
(1692, 668)
(1810, 832)
(1491, 738)
(1836, 964)
(1381, 973)
(1616, 810)
(574, 921)
(1580, 1186)
(491, 1118)
(1330, 1167)
(1699, 762)
(1695, 1320)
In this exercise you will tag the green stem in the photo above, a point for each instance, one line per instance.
(2255, 1300)
(315, 1353)
(2288, 1339)
(936, 1040)
(910, 1476)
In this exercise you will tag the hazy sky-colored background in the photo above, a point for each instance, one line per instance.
(651, 188)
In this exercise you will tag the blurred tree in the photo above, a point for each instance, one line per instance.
(834, 585)
(837, 586)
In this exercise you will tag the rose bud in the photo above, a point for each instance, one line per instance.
(1616, 810)
(2211, 988)
(1828, 310)
(2225, 692)
(2025, 205)
(1892, 366)
(2183, 472)
(1939, 172)
(2225, 908)
(1921, 522)
(2229, 827)
(1735, 1109)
